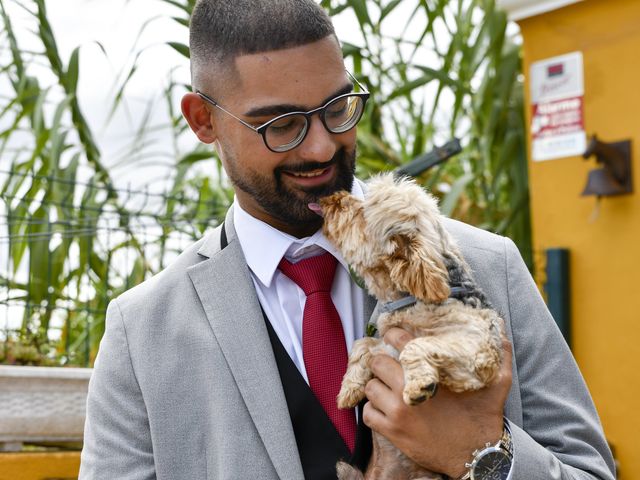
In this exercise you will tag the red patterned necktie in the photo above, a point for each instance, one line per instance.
(323, 346)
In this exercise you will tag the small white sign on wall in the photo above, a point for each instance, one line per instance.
(557, 98)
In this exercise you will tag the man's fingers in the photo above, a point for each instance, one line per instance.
(379, 395)
(387, 370)
(397, 337)
(372, 417)
(508, 352)
(505, 375)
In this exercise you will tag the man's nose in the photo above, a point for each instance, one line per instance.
(319, 144)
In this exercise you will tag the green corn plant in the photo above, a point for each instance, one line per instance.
(38, 190)
(471, 88)
(71, 240)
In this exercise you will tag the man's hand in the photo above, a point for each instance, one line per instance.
(441, 433)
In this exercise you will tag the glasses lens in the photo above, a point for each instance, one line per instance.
(286, 132)
(343, 113)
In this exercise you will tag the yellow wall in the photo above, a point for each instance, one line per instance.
(39, 466)
(605, 250)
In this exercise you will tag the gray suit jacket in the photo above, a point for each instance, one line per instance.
(185, 385)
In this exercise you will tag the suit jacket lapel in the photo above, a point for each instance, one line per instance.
(225, 288)
(370, 303)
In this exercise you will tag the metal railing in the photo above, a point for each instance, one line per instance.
(67, 247)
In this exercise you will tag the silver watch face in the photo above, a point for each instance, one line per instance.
(493, 465)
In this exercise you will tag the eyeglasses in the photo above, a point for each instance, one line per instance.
(286, 132)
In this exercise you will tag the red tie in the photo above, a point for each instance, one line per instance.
(323, 345)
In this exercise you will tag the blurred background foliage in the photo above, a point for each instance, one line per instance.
(73, 238)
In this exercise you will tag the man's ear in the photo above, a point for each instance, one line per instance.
(198, 117)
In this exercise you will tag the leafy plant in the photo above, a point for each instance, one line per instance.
(26, 353)
(449, 70)
(74, 239)
(470, 88)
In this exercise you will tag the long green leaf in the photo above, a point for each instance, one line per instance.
(73, 70)
(181, 48)
(388, 8)
(458, 187)
(410, 86)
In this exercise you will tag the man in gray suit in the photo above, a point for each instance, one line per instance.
(193, 379)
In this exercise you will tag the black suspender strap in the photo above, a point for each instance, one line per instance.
(223, 237)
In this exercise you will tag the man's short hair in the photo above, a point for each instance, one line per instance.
(222, 30)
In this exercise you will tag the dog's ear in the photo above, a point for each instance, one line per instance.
(418, 268)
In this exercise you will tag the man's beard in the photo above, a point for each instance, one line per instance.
(289, 206)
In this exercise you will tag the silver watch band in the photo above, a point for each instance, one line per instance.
(504, 443)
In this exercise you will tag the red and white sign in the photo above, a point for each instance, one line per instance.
(557, 97)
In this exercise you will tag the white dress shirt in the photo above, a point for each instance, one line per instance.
(281, 298)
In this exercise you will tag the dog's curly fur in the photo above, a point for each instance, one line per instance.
(394, 239)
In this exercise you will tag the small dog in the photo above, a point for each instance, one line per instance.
(394, 240)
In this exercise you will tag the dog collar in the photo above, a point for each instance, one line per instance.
(404, 302)
(457, 292)
(410, 300)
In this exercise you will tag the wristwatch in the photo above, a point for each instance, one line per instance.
(493, 462)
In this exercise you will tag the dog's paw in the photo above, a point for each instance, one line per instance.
(349, 397)
(416, 392)
(421, 377)
(348, 472)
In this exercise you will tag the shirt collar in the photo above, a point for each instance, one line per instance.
(263, 245)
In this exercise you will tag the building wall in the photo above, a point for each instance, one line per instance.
(39, 466)
(603, 237)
